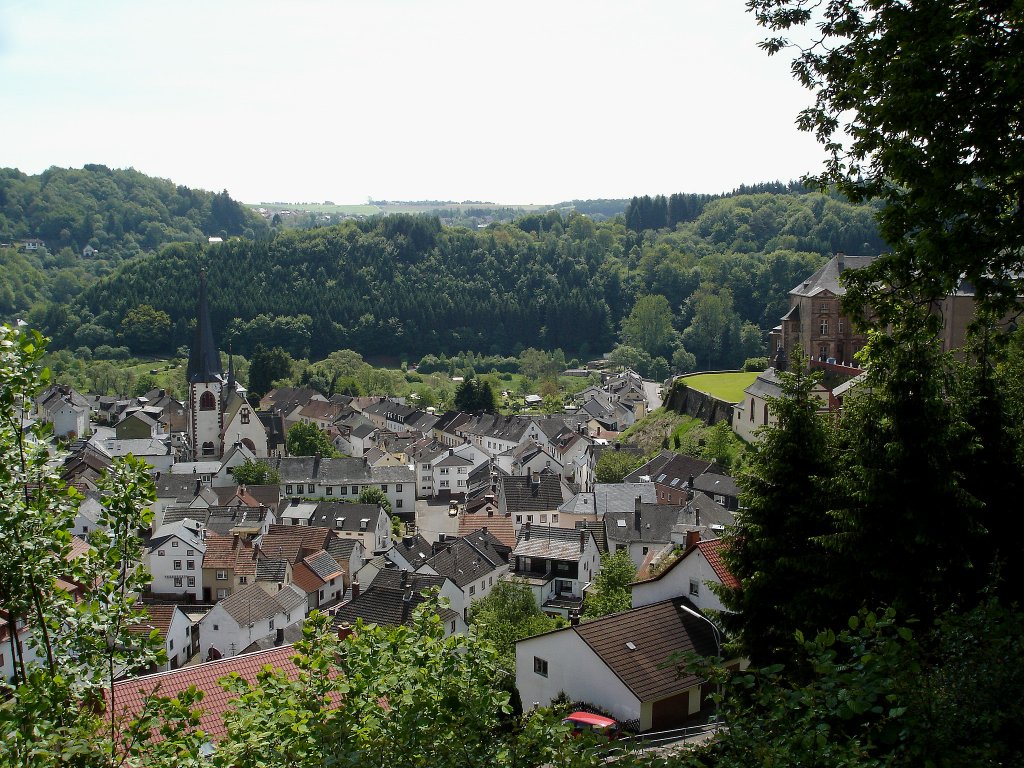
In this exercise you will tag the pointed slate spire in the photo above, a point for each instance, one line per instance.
(231, 370)
(203, 358)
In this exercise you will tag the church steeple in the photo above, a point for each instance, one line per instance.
(203, 358)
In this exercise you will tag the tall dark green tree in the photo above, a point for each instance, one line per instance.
(267, 366)
(775, 550)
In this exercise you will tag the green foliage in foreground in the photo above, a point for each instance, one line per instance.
(256, 473)
(610, 591)
(509, 613)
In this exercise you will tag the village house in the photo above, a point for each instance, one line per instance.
(174, 559)
(393, 596)
(368, 523)
(692, 575)
(673, 475)
(65, 409)
(345, 478)
(557, 564)
(473, 562)
(178, 633)
(248, 615)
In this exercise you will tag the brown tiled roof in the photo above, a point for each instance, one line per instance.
(130, 694)
(229, 552)
(305, 579)
(286, 542)
(655, 632)
(712, 551)
(158, 617)
(499, 525)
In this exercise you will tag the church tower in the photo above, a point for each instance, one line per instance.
(206, 386)
(219, 417)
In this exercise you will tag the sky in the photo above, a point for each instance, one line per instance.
(346, 100)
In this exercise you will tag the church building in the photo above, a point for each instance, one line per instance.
(218, 413)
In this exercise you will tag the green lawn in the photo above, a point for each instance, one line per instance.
(725, 386)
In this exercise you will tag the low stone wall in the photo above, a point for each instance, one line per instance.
(699, 405)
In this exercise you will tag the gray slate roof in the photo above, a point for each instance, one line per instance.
(466, 560)
(550, 543)
(253, 603)
(655, 524)
(391, 599)
(343, 516)
(827, 277)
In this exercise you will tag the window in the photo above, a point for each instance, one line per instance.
(694, 587)
(824, 327)
(543, 518)
(490, 581)
(160, 552)
(540, 666)
(271, 623)
(823, 306)
(208, 448)
(751, 409)
(444, 470)
(425, 466)
(398, 487)
(472, 590)
(191, 581)
(216, 627)
(222, 593)
(519, 519)
(178, 582)
(330, 490)
(177, 565)
(244, 413)
(645, 550)
(384, 487)
(398, 503)
(554, 518)
(840, 324)
(243, 579)
(85, 529)
(170, 645)
(190, 565)
(189, 553)
(343, 490)
(222, 575)
(207, 402)
(444, 483)
(310, 488)
(355, 490)
(529, 518)
(766, 413)
(288, 490)
(174, 543)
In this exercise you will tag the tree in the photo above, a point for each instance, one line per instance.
(476, 396)
(785, 574)
(713, 333)
(145, 328)
(375, 496)
(267, 366)
(610, 591)
(614, 465)
(308, 440)
(916, 105)
(257, 472)
(649, 326)
(509, 613)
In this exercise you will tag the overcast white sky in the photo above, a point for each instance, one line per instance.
(309, 100)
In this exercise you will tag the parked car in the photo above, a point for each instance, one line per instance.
(588, 722)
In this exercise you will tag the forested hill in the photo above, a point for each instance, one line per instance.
(407, 285)
(117, 212)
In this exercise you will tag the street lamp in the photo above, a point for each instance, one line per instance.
(717, 634)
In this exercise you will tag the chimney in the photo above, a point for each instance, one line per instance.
(356, 587)
(407, 541)
(692, 537)
(346, 629)
(583, 539)
(637, 501)
(527, 534)
(199, 487)
(484, 530)
(574, 618)
(405, 578)
(279, 638)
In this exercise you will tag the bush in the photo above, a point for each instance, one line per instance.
(755, 364)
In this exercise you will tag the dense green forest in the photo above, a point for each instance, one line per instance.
(410, 286)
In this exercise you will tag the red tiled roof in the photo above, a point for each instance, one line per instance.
(286, 542)
(229, 552)
(160, 617)
(305, 579)
(129, 695)
(497, 524)
(712, 550)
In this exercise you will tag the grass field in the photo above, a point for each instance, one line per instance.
(725, 386)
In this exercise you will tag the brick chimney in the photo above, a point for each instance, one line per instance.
(526, 527)
(345, 629)
(356, 588)
(583, 539)
(692, 538)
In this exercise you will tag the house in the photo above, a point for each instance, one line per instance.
(643, 531)
(248, 615)
(673, 475)
(174, 559)
(722, 488)
(366, 522)
(606, 499)
(229, 564)
(393, 596)
(87, 517)
(178, 632)
(487, 516)
(440, 467)
(754, 410)
(528, 458)
(691, 575)
(156, 452)
(321, 578)
(130, 695)
(66, 410)
(410, 552)
(532, 499)
(345, 478)
(350, 555)
(474, 562)
(246, 522)
(622, 663)
(557, 564)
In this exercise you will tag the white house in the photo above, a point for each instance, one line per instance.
(248, 615)
(557, 564)
(175, 559)
(475, 563)
(179, 634)
(622, 663)
(367, 523)
(691, 575)
(66, 410)
(344, 479)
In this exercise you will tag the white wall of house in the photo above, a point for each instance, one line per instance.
(219, 630)
(169, 564)
(178, 642)
(70, 419)
(571, 666)
(690, 577)
(401, 495)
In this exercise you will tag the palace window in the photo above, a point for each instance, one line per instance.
(207, 401)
